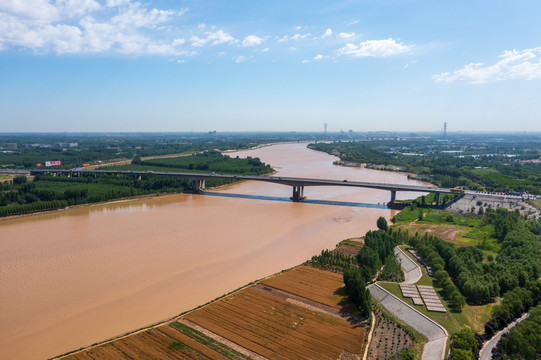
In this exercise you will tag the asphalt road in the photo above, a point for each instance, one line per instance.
(486, 351)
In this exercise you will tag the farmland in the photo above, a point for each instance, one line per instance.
(318, 285)
(160, 343)
(391, 338)
(294, 315)
(277, 329)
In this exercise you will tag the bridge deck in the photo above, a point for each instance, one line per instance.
(290, 181)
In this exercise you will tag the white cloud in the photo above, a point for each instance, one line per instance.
(214, 38)
(514, 64)
(319, 57)
(344, 35)
(374, 48)
(265, 50)
(305, 61)
(327, 33)
(114, 3)
(85, 26)
(252, 40)
(239, 59)
(136, 16)
(293, 37)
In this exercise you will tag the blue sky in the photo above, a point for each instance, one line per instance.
(125, 65)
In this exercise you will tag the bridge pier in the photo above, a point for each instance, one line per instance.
(393, 196)
(298, 193)
(198, 185)
(437, 198)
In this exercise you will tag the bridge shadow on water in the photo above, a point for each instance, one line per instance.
(306, 201)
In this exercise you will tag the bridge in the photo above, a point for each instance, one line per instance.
(298, 184)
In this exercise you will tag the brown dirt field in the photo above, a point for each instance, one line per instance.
(444, 232)
(151, 344)
(314, 284)
(347, 250)
(277, 329)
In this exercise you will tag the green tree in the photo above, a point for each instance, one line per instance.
(464, 344)
(382, 223)
(136, 160)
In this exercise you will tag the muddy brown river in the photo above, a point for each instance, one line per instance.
(76, 277)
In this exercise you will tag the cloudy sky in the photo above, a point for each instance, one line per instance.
(365, 65)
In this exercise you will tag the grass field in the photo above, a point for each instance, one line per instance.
(536, 203)
(463, 230)
(356, 243)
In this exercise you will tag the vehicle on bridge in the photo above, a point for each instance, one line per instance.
(455, 190)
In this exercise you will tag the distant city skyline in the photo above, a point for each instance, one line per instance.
(179, 66)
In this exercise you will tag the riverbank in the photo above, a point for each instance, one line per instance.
(301, 300)
(75, 277)
(122, 200)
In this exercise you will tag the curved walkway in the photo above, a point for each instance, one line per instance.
(435, 333)
(486, 351)
(412, 271)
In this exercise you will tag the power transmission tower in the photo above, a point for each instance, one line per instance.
(325, 127)
(444, 129)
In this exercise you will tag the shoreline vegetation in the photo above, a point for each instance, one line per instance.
(47, 192)
(475, 164)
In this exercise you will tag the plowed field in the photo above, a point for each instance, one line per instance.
(151, 344)
(278, 329)
(318, 285)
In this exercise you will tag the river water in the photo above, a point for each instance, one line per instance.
(75, 277)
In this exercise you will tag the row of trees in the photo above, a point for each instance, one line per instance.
(355, 281)
(332, 260)
(210, 161)
(517, 262)
(523, 341)
(424, 246)
(23, 197)
(448, 170)
(514, 303)
(48, 192)
(378, 247)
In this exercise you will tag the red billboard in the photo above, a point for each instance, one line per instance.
(53, 163)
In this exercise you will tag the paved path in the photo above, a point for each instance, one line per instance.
(436, 334)
(412, 271)
(486, 351)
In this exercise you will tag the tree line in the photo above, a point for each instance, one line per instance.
(517, 262)
(523, 341)
(378, 246)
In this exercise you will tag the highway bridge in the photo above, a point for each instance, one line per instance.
(298, 184)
